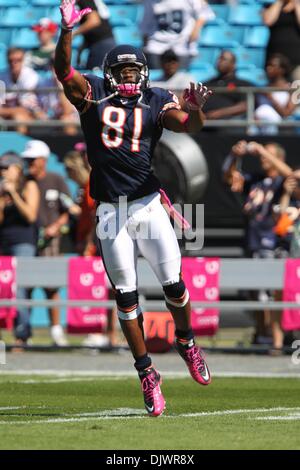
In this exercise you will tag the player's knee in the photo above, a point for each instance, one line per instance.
(127, 302)
(176, 294)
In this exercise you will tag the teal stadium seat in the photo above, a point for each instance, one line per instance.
(54, 14)
(155, 74)
(25, 38)
(256, 76)
(257, 36)
(205, 55)
(12, 3)
(18, 17)
(124, 15)
(45, 3)
(5, 36)
(245, 15)
(77, 41)
(222, 36)
(247, 58)
(120, 2)
(203, 74)
(221, 12)
(128, 35)
(266, 2)
(248, 2)
(83, 59)
(3, 60)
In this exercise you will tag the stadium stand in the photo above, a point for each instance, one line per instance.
(25, 38)
(257, 36)
(11, 3)
(246, 15)
(21, 16)
(128, 34)
(2, 57)
(124, 15)
(236, 27)
(16, 142)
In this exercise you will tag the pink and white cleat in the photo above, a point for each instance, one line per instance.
(192, 355)
(153, 397)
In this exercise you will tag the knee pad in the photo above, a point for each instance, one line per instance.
(127, 302)
(176, 294)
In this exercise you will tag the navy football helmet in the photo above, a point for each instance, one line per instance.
(125, 54)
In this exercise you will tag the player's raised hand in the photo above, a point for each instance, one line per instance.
(70, 15)
(195, 97)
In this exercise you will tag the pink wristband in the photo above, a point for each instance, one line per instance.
(69, 76)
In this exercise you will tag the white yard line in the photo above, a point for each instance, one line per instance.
(83, 375)
(6, 408)
(290, 417)
(132, 413)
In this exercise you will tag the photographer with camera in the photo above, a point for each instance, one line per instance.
(19, 204)
(261, 192)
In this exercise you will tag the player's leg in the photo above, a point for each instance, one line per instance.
(162, 251)
(119, 255)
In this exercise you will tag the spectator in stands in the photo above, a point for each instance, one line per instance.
(41, 58)
(275, 106)
(79, 171)
(55, 105)
(288, 216)
(19, 204)
(226, 105)
(261, 191)
(172, 77)
(97, 32)
(19, 106)
(283, 19)
(258, 189)
(53, 217)
(287, 229)
(177, 25)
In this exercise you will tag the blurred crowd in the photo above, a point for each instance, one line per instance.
(36, 212)
(271, 206)
(168, 47)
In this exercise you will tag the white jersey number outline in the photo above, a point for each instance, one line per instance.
(113, 130)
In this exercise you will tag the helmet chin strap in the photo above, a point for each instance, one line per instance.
(116, 93)
(142, 105)
(103, 99)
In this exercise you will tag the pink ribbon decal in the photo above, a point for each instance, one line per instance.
(201, 277)
(86, 281)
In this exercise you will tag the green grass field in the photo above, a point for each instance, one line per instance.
(107, 413)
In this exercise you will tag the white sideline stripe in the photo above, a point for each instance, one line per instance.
(295, 417)
(4, 408)
(119, 375)
(58, 381)
(126, 414)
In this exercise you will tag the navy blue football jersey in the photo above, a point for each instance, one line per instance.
(121, 136)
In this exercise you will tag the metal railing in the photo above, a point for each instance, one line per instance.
(249, 120)
(241, 274)
(155, 305)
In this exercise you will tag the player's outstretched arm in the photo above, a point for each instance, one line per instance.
(191, 118)
(75, 86)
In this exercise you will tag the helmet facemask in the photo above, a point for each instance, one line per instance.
(116, 76)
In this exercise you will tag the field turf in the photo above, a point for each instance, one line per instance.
(39, 412)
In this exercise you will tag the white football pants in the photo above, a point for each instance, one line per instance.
(124, 229)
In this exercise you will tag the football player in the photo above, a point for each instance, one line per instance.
(122, 119)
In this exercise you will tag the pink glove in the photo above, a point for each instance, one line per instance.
(196, 98)
(70, 15)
